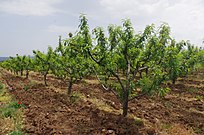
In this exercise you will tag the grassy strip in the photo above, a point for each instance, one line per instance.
(11, 113)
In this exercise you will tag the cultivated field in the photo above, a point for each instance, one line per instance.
(93, 111)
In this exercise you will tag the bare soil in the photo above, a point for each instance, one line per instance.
(97, 112)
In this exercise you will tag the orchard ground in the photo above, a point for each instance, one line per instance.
(93, 111)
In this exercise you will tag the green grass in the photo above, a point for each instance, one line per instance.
(4, 96)
(10, 113)
(75, 97)
(28, 86)
(1, 86)
(200, 98)
(192, 90)
(16, 132)
(138, 121)
(7, 112)
(166, 126)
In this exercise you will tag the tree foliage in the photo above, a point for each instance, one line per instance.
(126, 63)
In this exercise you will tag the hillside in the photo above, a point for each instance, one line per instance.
(3, 58)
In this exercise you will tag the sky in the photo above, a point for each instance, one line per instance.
(27, 25)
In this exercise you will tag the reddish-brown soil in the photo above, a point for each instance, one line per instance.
(50, 112)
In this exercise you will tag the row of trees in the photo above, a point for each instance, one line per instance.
(127, 64)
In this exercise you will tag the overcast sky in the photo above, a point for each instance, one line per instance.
(27, 25)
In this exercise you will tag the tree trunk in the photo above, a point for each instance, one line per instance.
(140, 74)
(70, 86)
(173, 81)
(21, 72)
(126, 90)
(45, 79)
(146, 71)
(27, 73)
(125, 103)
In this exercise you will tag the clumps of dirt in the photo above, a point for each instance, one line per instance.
(184, 106)
(48, 112)
(51, 112)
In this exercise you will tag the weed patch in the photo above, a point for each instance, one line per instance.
(75, 97)
(10, 113)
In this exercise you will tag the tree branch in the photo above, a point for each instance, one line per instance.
(105, 87)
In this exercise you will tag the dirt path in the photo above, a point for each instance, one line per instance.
(96, 112)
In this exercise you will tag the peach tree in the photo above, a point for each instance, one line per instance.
(121, 56)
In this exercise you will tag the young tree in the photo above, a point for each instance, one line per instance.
(43, 62)
(29, 65)
(70, 62)
(173, 60)
(190, 58)
(121, 51)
